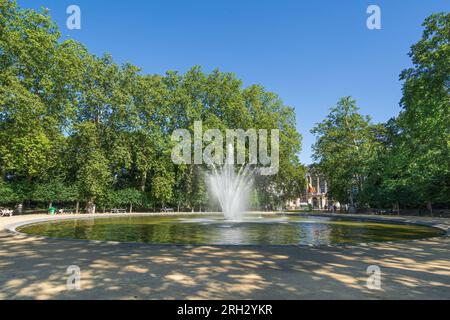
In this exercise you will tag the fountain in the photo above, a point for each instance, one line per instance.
(231, 189)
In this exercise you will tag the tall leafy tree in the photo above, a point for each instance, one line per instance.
(342, 150)
(424, 123)
(78, 127)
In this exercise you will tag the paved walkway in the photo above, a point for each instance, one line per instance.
(35, 268)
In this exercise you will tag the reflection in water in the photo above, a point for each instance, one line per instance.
(214, 230)
(231, 234)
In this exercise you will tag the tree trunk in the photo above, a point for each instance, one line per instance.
(430, 207)
(90, 207)
(143, 181)
(50, 204)
(77, 207)
(351, 198)
(131, 208)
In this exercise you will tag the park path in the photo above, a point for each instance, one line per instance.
(35, 268)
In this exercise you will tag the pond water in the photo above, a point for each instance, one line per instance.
(214, 230)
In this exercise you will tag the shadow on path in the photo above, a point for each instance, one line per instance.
(36, 269)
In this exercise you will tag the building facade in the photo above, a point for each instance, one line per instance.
(315, 195)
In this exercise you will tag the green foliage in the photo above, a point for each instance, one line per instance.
(343, 147)
(77, 127)
(424, 124)
(94, 176)
(125, 197)
(412, 167)
(405, 162)
(7, 194)
(54, 191)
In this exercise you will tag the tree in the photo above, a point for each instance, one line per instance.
(54, 191)
(423, 124)
(129, 197)
(93, 174)
(7, 194)
(342, 149)
(35, 94)
(78, 127)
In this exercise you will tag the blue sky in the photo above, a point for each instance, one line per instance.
(310, 53)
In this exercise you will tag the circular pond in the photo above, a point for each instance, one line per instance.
(214, 230)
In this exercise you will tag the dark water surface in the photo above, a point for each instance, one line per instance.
(214, 230)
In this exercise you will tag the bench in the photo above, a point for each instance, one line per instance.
(115, 210)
